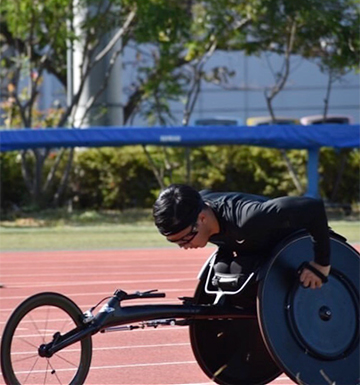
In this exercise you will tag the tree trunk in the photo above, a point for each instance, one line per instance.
(37, 194)
(343, 159)
(64, 179)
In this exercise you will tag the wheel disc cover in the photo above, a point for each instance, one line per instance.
(312, 334)
(325, 321)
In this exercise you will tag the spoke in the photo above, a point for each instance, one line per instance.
(46, 371)
(69, 362)
(67, 322)
(39, 323)
(47, 319)
(29, 343)
(37, 329)
(30, 371)
(53, 371)
(26, 358)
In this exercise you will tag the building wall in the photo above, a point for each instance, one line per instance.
(243, 97)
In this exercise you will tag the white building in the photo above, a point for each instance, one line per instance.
(244, 97)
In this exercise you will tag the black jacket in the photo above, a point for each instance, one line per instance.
(254, 225)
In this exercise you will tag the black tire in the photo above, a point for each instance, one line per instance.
(33, 323)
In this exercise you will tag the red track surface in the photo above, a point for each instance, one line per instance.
(161, 356)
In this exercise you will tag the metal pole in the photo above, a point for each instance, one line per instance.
(312, 173)
(69, 67)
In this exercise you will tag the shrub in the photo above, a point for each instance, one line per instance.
(112, 178)
(12, 187)
(249, 169)
(119, 178)
(340, 175)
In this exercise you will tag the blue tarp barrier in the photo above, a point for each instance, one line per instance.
(275, 136)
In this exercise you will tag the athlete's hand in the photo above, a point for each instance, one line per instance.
(310, 279)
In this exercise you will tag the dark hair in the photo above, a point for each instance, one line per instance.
(176, 208)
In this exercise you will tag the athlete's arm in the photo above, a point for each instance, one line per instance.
(300, 213)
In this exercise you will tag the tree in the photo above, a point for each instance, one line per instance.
(324, 31)
(38, 36)
(213, 24)
(172, 41)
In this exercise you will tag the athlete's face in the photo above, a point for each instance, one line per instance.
(191, 237)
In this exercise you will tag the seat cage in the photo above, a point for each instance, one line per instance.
(218, 291)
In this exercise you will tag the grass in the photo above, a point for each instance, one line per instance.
(90, 230)
(350, 230)
(80, 238)
(60, 218)
(87, 230)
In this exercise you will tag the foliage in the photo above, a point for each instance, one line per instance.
(171, 41)
(243, 168)
(12, 186)
(13, 189)
(112, 178)
(318, 22)
(37, 37)
(44, 26)
(340, 175)
(121, 178)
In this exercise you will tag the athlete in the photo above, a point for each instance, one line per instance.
(245, 227)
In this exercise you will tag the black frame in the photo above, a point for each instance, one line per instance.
(112, 314)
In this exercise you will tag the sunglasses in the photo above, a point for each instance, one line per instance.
(188, 237)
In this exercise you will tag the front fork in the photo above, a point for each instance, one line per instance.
(60, 342)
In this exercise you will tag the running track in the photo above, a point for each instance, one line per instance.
(142, 357)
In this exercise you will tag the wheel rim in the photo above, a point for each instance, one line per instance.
(38, 327)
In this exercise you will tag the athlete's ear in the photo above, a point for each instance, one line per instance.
(202, 216)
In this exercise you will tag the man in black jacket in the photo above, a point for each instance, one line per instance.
(245, 227)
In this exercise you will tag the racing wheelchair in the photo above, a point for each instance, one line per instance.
(243, 334)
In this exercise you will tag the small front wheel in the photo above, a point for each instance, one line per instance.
(33, 323)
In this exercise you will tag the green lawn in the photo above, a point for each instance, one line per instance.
(349, 229)
(109, 236)
(81, 238)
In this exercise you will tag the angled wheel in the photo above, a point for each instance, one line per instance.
(312, 334)
(33, 323)
(231, 352)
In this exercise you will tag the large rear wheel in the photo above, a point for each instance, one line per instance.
(232, 352)
(33, 323)
(312, 334)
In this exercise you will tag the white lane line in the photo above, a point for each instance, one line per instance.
(91, 283)
(163, 329)
(105, 293)
(68, 258)
(169, 301)
(89, 273)
(116, 366)
(115, 348)
(67, 266)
